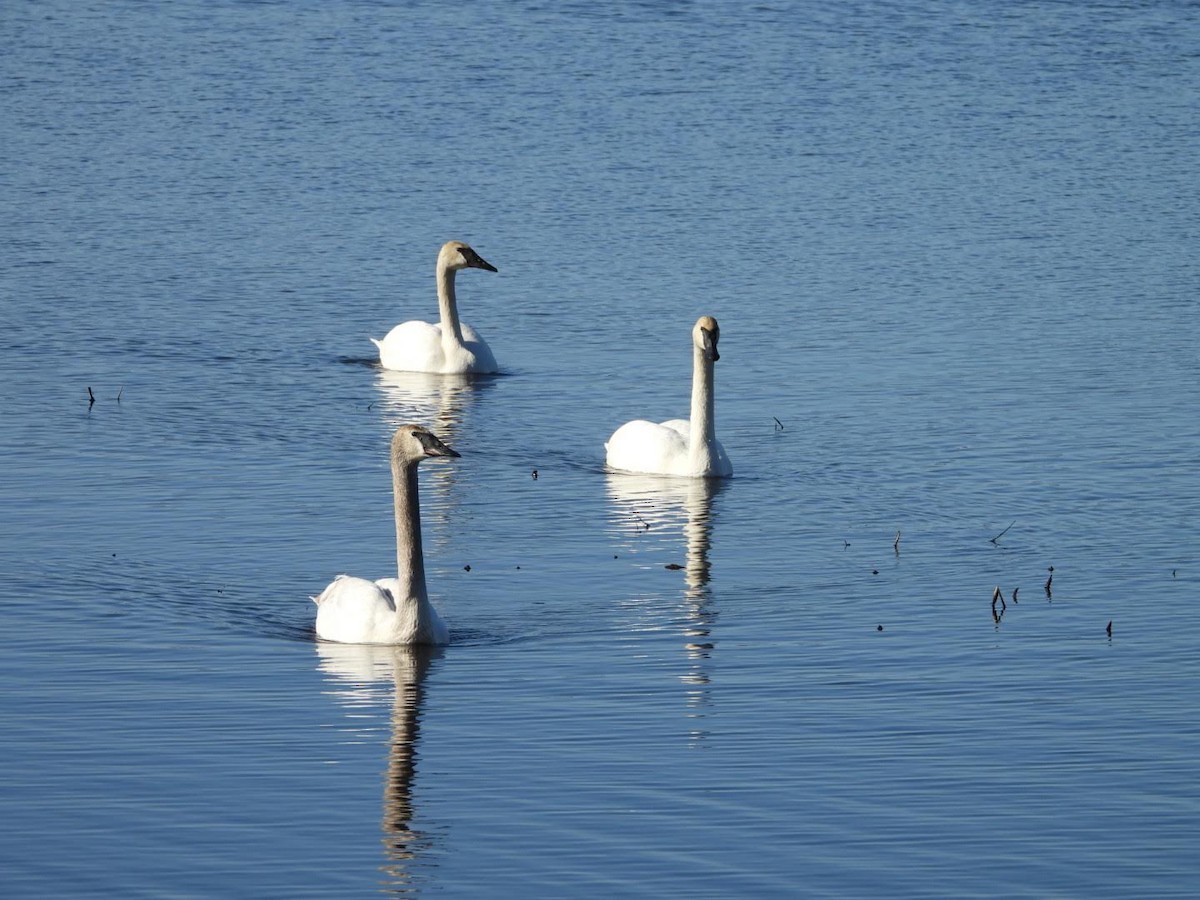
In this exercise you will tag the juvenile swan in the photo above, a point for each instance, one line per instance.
(391, 610)
(451, 347)
(678, 447)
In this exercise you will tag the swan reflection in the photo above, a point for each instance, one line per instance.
(440, 402)
(648, 512)
(437, 401)
(362, 676)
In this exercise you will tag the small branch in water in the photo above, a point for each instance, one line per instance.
(91, 397)
(642, 523)
(1004, 532)
(896, 544)
(1050, 581)
(778, 424)
(120, 392)
(1015, 594)
(1109, 628)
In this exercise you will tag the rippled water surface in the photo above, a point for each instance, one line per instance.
(952, 251)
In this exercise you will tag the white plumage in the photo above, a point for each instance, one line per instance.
(451, 346)
(391, 610)
(684, 447)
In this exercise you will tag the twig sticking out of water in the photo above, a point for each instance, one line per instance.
(1109, 628)
(91, 398)
(896, 543)
(120, 392)
(1050, 581)
(1015, 594)
(998, 594)
(1004, 532)
(778, 424)
(642, 523)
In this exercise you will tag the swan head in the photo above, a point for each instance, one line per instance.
(705, 336)
(456, 255)
(413, 443)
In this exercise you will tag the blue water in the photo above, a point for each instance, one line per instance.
(952, 251)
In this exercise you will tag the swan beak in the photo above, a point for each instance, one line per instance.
(434, 446)
(710, 345)
(475, 261)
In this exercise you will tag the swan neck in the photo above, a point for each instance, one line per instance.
(410, 560)
(448, 305)
(703, 424)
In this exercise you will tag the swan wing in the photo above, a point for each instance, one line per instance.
(482, 361)
(412, 347)
(353, 611)
(641, 446)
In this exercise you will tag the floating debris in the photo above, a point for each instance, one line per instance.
(1015, 594)
(467, 567)
(879, 628)
(674, 567)
(778, 424)
(896, 543)
(534, 474)
(1050, 581)
(1109, 628)
(91, 398)
(998, 594)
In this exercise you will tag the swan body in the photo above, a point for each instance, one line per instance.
(391, 610)
(450, 347)
(683, 447)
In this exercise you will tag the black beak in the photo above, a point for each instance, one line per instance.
(475, 261)
(710, 345)
(433, 446)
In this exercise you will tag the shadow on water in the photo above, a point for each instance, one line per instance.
(355, 672)
(645, 504)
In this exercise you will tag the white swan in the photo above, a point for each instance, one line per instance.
(678, 447)
(390, 610)
(451, 347)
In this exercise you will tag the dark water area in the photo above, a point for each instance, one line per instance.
(952, 253)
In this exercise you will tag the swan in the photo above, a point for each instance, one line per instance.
(678, 447)
(451, 347)
(391, 610)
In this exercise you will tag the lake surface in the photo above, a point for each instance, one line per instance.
(952, 250)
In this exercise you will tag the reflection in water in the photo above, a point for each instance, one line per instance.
(436, 401)
(357, 672)
(649, 509)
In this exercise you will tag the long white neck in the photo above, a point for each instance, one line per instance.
(410, 560)
(448, 306)
(703, 425)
